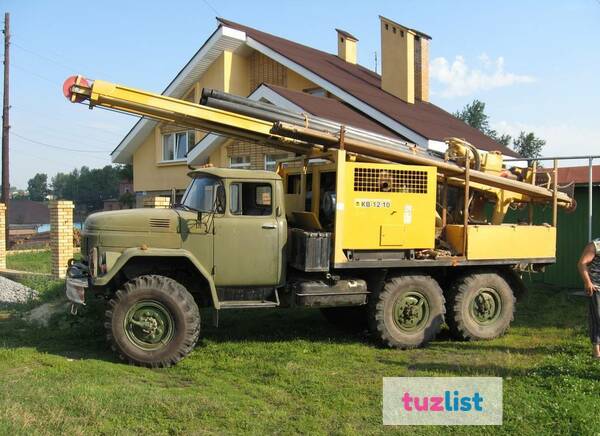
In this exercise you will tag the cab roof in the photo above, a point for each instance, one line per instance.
(234, 173)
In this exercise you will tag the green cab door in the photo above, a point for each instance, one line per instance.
(247, 237)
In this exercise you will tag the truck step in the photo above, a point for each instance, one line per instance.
(247, 304)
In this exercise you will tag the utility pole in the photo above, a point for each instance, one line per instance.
(5, 124)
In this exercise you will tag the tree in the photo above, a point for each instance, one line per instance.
(38, 187)
(127, 200)
(527, 145)
(474, 115)
(88, 188)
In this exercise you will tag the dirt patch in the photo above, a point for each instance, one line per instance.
(42, 314)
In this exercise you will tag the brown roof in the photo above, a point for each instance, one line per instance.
(333, 110)
(578, 175)
(28, 212)
(424, 118)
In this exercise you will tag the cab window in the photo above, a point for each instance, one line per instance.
(202, 194)
(250, 198)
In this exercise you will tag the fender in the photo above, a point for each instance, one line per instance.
(130, 253)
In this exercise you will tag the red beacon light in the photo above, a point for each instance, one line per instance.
(68, 85)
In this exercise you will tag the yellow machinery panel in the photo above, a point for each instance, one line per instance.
(506, 241)
(387, 206)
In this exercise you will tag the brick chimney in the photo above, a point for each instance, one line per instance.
(347, 46)
(404, 61)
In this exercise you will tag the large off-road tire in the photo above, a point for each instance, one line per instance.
(480, 306)
(353, 318)
(153, 321)
(408, 311)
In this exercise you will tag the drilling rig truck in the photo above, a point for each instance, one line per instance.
(374, 231)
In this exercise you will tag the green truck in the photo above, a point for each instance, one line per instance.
(227, 245)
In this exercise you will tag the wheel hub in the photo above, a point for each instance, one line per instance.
(149, 325)
(486, 306)
(411, 311)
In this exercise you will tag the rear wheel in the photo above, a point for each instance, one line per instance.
(153, 321)
(408, 312)
(352, 318)
(481, 306)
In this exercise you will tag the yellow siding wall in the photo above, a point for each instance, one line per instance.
(232, 73)
(148, 176)
(297, 82)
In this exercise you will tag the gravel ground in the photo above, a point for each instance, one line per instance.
(13, 292)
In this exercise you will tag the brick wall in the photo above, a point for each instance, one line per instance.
(157, 202)
(61, 235)
(264, 69)
(256, 153)
(422, 69)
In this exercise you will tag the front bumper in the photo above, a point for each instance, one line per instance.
(78, 280)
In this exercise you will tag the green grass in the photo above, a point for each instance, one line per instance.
(288, 371)
(37, 261)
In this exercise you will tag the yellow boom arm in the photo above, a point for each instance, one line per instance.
(282, 135)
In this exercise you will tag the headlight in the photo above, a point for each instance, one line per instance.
(93, 261)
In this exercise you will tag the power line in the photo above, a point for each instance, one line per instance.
(50, 58)
(33, 74)
(58, 147)
(24, 109)
(70, 136)
(212, 7)
(46, 58)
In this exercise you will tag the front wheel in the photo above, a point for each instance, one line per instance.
(153, 321)
(408, 312)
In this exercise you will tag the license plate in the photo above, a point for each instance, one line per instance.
(75, 290)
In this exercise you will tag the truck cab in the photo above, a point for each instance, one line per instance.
(238, 225)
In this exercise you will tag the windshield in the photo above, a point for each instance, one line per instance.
(201, 193)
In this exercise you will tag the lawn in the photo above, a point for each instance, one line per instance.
(288, 371)
(33, 261)
(36, 261)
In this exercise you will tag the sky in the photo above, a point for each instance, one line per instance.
(535, 64)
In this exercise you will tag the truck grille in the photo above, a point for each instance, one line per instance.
(160, 223)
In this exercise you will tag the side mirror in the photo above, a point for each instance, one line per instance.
(278, 211)
(220, 200)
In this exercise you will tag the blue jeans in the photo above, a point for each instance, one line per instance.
(595, 318)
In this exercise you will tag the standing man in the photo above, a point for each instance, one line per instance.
(589, 269)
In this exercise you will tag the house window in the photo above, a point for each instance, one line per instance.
(271, 161)
(240, 162)
(176, 145)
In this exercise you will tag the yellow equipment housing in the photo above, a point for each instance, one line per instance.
(387, 206)
(384, 207)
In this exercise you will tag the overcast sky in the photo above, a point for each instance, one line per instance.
(535, 64)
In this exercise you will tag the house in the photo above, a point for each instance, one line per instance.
(248, 62)
(24, 213)
(125, 188)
